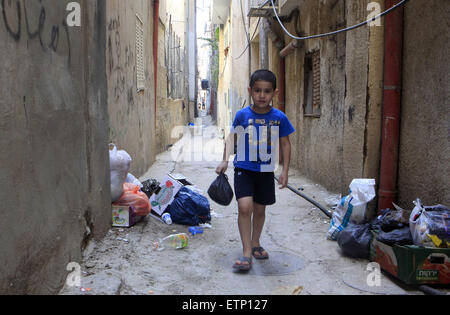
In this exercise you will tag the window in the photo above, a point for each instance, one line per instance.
(140, 61)
(312, 85)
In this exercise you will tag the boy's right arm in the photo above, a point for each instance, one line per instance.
(227, 152)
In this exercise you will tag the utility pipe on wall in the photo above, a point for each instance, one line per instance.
(263, 45)
(290, 48)
(391, 106)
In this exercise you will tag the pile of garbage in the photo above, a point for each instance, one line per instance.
(174, 200)
(424, 226)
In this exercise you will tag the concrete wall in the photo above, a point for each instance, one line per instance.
(223, 92)
(318, 144)
(53, 146)
(233, 66)
(424, 153)
(343, 143)
(170, 112)
(240, 76)
(132, 113)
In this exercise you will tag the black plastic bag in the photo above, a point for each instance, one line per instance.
(220, 190)
(150, 186)
(355, 240)
(189, 208)
(400, 237)
(388, 221)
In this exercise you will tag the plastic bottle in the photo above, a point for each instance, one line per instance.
(195, 230)
(175, 241)
(166, 218)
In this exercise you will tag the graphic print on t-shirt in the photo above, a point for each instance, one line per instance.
(258, 138)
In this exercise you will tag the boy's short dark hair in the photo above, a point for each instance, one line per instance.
(263, 75)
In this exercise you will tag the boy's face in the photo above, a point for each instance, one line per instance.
(262, 94)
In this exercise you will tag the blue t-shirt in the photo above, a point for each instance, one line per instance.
(258, 138)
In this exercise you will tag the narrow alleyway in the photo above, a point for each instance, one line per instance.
(301, 260)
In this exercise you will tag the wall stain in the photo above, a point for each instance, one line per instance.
(351, 112)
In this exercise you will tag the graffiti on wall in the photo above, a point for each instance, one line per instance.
(16, 17)
(121, 60)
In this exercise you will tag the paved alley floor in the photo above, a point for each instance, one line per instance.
(302, 261)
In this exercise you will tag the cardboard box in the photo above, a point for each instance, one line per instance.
(413, 264)
(164, 196)
(124, 216)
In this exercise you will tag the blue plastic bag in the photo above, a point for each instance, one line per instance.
(189, 208)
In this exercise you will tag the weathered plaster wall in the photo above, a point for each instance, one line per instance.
(318, 144)
(355, 107)
(170, 112)
(343, 143)
(132, 113)
(53, 146)
(240, 76)
(424, 155)
(225, 72)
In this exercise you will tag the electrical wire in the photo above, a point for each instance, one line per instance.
(250, 42)
(338, 31)
(247, 33)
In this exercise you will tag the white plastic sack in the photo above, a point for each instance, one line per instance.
(418, 209)
(119, 162)
(426, 222)
(133, 180)
(352, 208)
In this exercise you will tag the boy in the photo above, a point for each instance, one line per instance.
(258, 128)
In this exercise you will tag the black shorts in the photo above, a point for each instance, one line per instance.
(260, 186)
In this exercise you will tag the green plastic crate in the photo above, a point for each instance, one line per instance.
(413, 264)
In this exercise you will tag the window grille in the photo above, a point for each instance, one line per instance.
(140, 54)
(312, 102)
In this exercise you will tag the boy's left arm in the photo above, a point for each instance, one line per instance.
(285, 146)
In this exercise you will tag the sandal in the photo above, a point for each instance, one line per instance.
(241, 266)
(259, 250)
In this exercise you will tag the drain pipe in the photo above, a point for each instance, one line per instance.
(391, 106)
(290, 48)
(155, 47)
(263, 45)
(295, 44)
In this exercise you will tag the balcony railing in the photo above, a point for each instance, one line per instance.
(262, 8)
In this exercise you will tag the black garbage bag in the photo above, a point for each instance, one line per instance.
(189, 208)
(220, 190)
(150, 186)
(399, 236)
(388, 221)
(355, 240)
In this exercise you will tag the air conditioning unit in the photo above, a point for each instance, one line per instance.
(262, 8)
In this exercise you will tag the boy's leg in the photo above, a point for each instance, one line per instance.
(245, 205)
(259, 217)
(264, 195)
